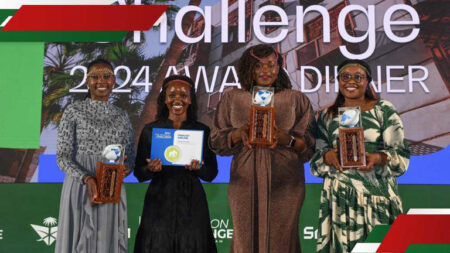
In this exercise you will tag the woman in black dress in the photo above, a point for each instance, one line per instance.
(175, 218)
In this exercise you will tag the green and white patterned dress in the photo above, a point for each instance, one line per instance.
(353, 202)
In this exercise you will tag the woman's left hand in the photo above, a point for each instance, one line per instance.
(372, 159)
(281, 138)
(195, 165)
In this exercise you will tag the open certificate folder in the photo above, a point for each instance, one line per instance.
(177, 147)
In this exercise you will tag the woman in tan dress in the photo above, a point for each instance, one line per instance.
(267, 184)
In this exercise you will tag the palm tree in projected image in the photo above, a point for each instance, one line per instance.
(58, 60)
(131, 56)
(171, 56)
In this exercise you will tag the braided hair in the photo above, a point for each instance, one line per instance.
(247, 63)
(95, 62)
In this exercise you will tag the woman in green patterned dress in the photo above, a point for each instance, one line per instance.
(353, 201)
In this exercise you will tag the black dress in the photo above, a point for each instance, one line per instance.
(175, 218)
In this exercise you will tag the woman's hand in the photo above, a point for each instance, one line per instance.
(372, 159)
(195, 165)
(331, 158)
(155, 165)
(281, 137)
(241, 135)
(91, 184)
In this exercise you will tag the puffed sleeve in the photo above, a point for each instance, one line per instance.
(305, 125)
(65, 147)
(129, 144)
(143, 152)
(222, 129)
(395, 145)
(209, 170)
(323, 145)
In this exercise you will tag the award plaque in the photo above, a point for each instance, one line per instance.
(110, 174)
(262, 116)
(351, 138)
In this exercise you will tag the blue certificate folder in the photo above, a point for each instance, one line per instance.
(177, 147)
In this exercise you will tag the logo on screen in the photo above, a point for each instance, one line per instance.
(47, 233)
(172, 153)
(222, 229)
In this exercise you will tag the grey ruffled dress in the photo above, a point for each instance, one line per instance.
(87, 127)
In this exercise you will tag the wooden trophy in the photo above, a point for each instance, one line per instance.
(110, 174)
(351, 138)
(262, 116)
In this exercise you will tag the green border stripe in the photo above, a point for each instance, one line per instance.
(435, 248)
(378, 233)
(62, 36)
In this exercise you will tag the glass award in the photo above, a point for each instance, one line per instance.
(110, 173)
(351, 138)
(262, 116)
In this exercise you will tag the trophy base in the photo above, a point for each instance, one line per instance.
(109, 182)
(351, 147)
(262, 121)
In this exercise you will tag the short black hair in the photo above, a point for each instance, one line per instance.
(95, 62)
(163, 111)
(99, 61)
(362, 63)
(340, 99)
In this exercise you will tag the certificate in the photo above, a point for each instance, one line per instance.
(176, 147)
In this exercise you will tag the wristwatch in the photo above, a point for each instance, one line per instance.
(292, 142)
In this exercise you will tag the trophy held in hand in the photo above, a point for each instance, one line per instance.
(262, 116)
(351, 138)
(110, 174)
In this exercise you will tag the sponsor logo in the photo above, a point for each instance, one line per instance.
(222, 230)
(48, 232)
(310, 233)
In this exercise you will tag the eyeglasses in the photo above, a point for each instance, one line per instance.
(96, 77)
(347, 77)
(269, 65)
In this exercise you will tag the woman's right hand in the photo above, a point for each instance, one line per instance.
(331, 158)
(241, 135)
(91, 184)
(154, 165)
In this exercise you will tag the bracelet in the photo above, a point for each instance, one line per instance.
(292, 142)
(86, 178)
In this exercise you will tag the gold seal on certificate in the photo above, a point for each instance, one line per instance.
(110, 173)
(262, 116)
(351, 137)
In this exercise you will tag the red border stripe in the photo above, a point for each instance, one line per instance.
(416, 229)
(85, 17)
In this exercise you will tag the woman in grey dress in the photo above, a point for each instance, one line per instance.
(87, 127)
